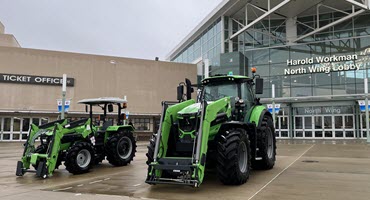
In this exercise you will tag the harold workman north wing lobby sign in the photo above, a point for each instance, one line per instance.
(323, 64)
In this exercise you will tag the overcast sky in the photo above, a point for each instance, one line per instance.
(126, 28)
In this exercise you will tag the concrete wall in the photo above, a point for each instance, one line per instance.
(7, 40)
(2, 28)
(145, 83)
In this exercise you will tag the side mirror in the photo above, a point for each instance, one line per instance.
(259, 85)
(110, 108)
(189, 89)
(180, 92)
(86, 108)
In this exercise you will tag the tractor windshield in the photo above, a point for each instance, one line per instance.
(213, 92)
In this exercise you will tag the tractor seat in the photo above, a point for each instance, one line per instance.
(106, 124)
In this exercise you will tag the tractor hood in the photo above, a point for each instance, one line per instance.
(192, 109)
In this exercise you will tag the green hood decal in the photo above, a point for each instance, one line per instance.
(193, 108)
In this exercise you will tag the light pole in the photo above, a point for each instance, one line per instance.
(367, 109)
(64, 91)
(273, 103)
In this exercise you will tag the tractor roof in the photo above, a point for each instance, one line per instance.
(226, 78)
(102, 100)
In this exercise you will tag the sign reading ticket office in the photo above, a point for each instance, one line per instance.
(322, 64)
(40, 80)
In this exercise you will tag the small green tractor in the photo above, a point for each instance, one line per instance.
(80, 144)
(227, 129)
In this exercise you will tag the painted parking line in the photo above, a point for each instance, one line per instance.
(280, 173)
(137, 185)
(62, 189)
(93, 182)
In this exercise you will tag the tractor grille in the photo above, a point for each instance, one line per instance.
(188, 124)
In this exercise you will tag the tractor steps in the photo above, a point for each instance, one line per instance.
(174, 164)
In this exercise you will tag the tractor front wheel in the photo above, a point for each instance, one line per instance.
(233, 157)
(266, 145)
(80, 158)
(121, 148)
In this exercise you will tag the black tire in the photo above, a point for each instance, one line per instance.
(121, 148)
(266, 142)
(150, 153)
(41, 149)
(233, 157)
(75, 154)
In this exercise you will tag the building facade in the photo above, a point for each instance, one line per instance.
(315, 53)
(30, 85)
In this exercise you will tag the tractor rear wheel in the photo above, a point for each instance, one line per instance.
(233, 157)
(266, 145)
(121, 148)
(80, 158)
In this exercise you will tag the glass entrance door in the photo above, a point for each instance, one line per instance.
(303, 127)
(282, 126)
(324, 126)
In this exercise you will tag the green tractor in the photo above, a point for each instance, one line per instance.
(80, 144)
(227, 129)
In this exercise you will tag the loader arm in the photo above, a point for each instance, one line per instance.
(220, 106)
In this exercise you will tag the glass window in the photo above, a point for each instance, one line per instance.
(16, 124)
(214, 92)
(298, 123)
(279, 55)
(1, 123)
(6, 136)
(45, 120)
(142, 124)
(7, 124)
(261, 57)
(25, 125)
(300, 52)
(263, 70)
(36, 121)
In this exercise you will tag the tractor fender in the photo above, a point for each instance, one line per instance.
(120, 127)
(248, 127)
(258, 114)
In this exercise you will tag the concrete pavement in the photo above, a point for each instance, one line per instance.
(305, 169)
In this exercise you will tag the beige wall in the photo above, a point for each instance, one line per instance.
(7, 40)
(145, 83)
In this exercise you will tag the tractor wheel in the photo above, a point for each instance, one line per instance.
(121, 148)
(267, 145)
(80, 158)
(150, 154)
(233, 157)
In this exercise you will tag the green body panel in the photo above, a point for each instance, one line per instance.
(171, 112)
(255, 114)
(116, 128)
(219, 106)
(193, 108)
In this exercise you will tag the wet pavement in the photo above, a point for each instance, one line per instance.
(305, 169)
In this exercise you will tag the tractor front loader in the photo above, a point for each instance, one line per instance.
(227, 129)
(55, 139)
(79, 144)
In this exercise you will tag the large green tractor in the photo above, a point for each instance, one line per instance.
(226, 129)
(80, 144)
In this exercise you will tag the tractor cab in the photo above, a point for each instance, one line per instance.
(108, 105)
